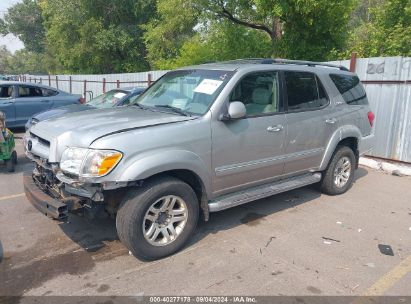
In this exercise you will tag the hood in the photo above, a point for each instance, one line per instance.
(57, 112)
(81, 129)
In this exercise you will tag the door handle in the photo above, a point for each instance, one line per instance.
(276, 128)
(45, 100)
(331, 121)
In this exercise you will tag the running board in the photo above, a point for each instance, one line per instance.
(255, 193)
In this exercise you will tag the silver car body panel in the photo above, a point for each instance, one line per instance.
(83, 128)
(227, 156)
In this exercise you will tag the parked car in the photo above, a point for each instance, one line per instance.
(110, 99)
(9, 78)
(13, 78)
(201, 139)
(21, 100)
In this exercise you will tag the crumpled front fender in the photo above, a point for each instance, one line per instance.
(144, 166)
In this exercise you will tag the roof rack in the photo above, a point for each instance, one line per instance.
(282, 61)
(301, 62)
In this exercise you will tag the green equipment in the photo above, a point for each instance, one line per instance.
(7, 152)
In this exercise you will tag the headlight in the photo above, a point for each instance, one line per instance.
(100, 162)
(72, 159)
(34, 121)
(88, 162)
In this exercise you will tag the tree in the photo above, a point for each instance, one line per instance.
(24, 20)
(386, 32)
(3, 27)
(96, 36)
(361, 13)
(222, 41)
(190, 37)
(206, 30)
(24, 61)
(4, 60)
(304, 29)
(166, 33)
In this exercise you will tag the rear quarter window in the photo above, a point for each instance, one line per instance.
(350, 89)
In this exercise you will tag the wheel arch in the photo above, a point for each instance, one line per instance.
(194, 181)
(184, 165)
(345, 136)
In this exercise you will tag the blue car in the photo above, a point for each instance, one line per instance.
(20, 100)
(110, 99)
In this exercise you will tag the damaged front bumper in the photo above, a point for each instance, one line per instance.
(57, 200)
(56, 194)
(43, 202)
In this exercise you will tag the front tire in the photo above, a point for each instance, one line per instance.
(339, 175)
(157, 219)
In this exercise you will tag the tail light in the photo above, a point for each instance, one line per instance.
(82, 100)
(371, 118)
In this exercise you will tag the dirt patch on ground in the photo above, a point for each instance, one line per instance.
(22, 271)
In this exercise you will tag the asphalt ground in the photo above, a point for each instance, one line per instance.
(296, 243)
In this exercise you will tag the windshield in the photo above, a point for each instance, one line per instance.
(192, 91)
(108, 100)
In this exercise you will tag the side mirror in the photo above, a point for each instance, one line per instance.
(236, 110)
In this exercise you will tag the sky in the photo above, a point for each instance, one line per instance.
(11, 42)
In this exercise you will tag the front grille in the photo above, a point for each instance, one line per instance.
(41, 140)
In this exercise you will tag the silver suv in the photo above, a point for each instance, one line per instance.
(201, 139)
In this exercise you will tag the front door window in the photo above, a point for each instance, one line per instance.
(258, 92)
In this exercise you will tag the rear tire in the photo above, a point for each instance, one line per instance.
(157, 219)
(339, 175)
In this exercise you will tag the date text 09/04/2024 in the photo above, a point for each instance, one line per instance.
(203, 299)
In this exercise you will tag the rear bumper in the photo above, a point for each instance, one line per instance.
(43, 202)
(366, 144)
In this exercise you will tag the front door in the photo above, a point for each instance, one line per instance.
(249, 151)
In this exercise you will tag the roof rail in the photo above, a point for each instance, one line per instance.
(301, 62)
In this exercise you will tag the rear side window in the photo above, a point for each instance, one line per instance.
(350, 89)
(6, 91)
(26, 91)
(304, 91)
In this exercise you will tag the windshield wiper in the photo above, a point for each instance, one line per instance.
(174, 109)
(138, 105)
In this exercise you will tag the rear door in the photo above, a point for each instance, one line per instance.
(310, 121)
(30, 100)
(7, 94)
